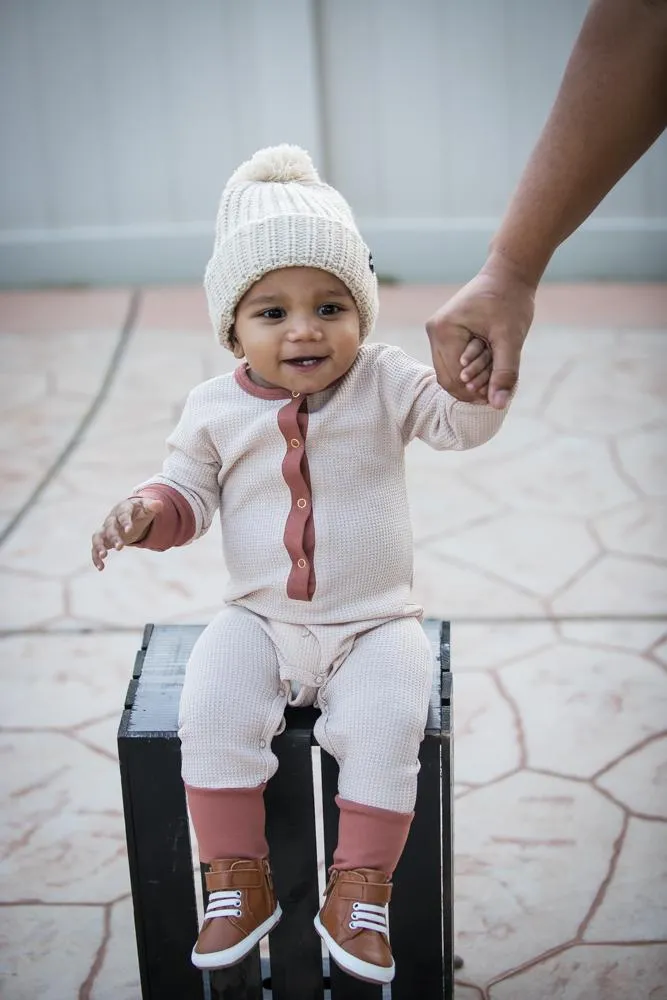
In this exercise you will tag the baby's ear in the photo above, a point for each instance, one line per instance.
(236, 345)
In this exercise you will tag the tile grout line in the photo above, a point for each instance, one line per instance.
(88, 985)
(98, 400)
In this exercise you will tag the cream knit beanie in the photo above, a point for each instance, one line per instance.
(276, 212)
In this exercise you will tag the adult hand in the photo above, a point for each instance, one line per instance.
(125, 524)
(497, 307)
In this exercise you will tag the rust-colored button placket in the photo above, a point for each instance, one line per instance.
(299, 536)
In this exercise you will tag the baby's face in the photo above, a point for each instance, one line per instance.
(298, 328)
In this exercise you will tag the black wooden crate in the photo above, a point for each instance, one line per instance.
(161, 865)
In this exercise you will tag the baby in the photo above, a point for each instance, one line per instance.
(301, 450)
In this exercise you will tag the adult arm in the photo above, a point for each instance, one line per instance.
(611, 106)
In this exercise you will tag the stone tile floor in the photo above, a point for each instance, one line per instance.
(547, 549)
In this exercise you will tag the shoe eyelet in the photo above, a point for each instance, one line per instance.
(355, 906)
(238, 913)
(238, 893)
(352, 925)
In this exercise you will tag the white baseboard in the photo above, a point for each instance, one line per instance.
(408, 250)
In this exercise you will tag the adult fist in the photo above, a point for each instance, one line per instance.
(497, 306)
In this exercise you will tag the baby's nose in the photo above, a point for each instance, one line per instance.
(306, 330)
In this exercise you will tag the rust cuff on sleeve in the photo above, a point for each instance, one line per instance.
(174, 526)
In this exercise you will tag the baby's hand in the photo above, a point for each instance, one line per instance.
(476, 371)
(125, 524)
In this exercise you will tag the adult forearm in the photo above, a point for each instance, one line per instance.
(611, 106)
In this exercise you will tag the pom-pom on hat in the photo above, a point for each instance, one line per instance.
(276, 212)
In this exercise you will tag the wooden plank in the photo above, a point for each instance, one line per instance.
(295, 947)
(160, 861)
(416, 912)
(343, 987)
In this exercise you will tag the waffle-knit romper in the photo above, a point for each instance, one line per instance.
(317, 541)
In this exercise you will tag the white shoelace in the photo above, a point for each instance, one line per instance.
(370, 916)
(225, 903)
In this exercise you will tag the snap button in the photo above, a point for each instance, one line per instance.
(295, 394)
(319, 679)
(295, 443)
(302, 503)
(262, 743)
(302, 564)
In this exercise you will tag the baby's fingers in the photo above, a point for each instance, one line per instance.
(473, 349)
(481, 381)
(113, 533)
(480, 364)
(99, 550)
(477, 360)
(124, 520)
(108, 538)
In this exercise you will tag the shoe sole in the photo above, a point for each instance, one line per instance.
(231, 956)
(378, 974)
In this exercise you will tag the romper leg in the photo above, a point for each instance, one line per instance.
(230, 708)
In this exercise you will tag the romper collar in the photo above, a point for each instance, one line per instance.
(243, 380)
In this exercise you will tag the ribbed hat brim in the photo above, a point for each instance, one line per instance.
(274, 242)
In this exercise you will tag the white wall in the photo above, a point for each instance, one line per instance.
(121, 122)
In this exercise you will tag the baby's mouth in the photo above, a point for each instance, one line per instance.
(305, 364)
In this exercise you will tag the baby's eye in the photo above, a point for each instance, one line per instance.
(329, 309)
(274, 313)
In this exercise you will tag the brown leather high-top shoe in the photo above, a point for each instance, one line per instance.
(241, 909)
(354, 924)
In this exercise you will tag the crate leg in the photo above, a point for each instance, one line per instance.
(343, 986)
(295, 948)
(160, 861)
(447, 805)
(424, 874)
